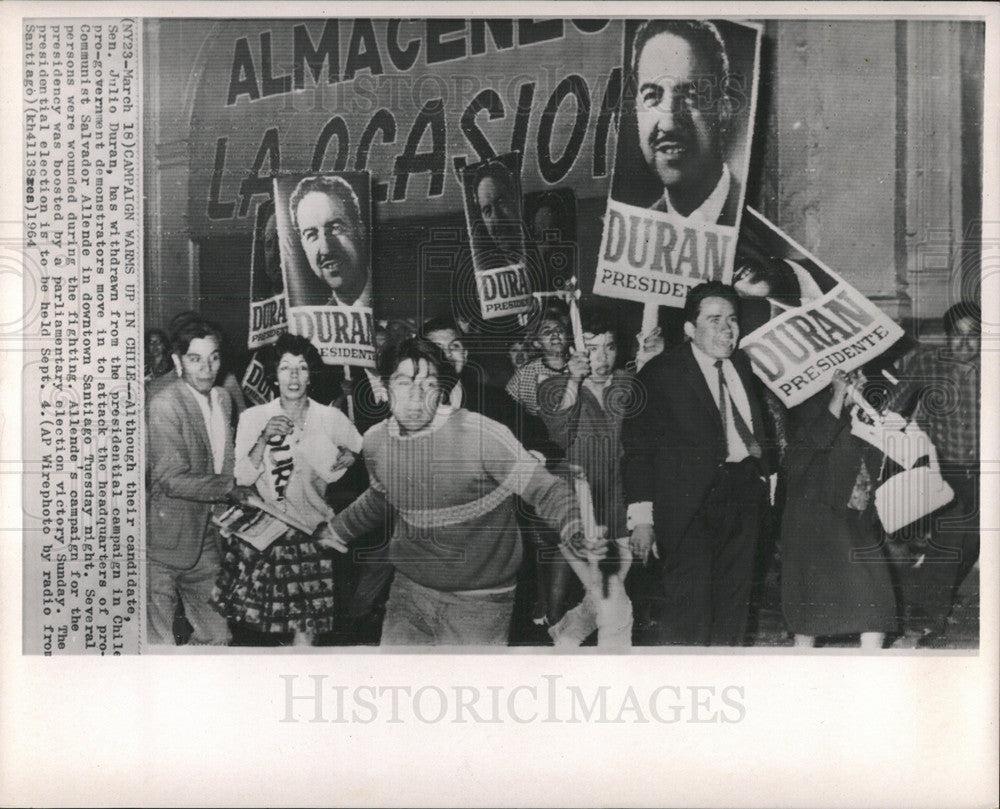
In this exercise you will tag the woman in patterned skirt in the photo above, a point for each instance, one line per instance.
(289, 449)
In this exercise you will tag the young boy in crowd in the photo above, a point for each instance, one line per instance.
(583, 411)
(552, 340)
(450, 477)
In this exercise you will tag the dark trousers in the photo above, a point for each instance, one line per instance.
(707, 575)
(952, 550)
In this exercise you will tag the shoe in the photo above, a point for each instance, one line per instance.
(934, 639)
(539, 615)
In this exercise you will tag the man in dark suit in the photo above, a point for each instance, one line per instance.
(694, 473)
(684, 113)
(191, 468)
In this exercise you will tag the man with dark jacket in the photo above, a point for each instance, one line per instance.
(694, 473)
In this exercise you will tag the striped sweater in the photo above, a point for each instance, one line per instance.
(452, 490)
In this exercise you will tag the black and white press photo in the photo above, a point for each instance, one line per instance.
(707, 215)
(612, 375)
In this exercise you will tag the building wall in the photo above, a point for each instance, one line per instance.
(867, 152)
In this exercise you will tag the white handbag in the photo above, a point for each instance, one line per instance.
(911, 494)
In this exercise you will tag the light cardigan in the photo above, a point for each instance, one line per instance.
(290, 474)
(452, 488)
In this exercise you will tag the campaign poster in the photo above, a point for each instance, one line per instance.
(268, 306)
(550, 223)
(257, 388)
(686, 125)
(324, 227)
(805, 321)
(494, 217)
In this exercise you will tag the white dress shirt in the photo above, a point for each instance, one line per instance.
(737, 395)
(363, 301)
(711, 209)
(215, 424)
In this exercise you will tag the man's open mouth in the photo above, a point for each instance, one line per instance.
(670, 149)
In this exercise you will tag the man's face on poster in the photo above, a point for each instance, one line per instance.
(499, 208)
(679, 107)
(544, 221)
(272, 251)
(330, 238)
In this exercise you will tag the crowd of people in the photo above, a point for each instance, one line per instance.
(447, 508)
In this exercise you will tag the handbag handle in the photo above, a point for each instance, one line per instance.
(932, 456)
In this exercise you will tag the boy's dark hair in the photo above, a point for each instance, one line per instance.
(555, 313)
(190, 330)
(963, 310)
(609, 566)
(709, 289)
(297, 346)
(599, 321)
(416, 349)
(440, 323)
(164, 338)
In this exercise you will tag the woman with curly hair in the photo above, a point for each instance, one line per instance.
(289, 449)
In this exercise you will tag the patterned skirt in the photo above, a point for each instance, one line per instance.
(286, 587)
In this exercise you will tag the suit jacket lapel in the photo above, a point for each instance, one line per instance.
(229, 458)
(749, 385)
(696, 379)
(196, 417)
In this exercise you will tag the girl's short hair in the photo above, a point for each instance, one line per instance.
(297, 346)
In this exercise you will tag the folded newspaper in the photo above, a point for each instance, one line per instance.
(257, 522)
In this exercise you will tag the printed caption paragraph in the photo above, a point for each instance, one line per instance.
(82, 377)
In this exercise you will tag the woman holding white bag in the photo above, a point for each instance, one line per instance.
(835, 580)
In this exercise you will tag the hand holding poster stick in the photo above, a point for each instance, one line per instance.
(858, 399)
(649, 329)
(591, 531)
(573, 291)
(604, 559)
(650, 312)
(540, 296)
(350, 397)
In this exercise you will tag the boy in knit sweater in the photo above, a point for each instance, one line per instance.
(450, 477)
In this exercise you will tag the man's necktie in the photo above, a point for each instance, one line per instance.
(726, 406)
